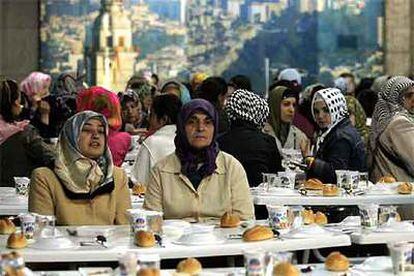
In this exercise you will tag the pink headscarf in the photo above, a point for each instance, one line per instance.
(103, 101)
(36, 85)
(9, 129)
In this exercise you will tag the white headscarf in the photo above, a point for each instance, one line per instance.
(390, 103)
(336, 103)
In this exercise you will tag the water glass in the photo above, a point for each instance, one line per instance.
(270, 180)
(387, 214)
(296, 215)
(401, 257)
(363, 180)
(352, 179)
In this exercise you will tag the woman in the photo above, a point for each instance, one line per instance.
(21, 147)
(176, 88)
(100, 100)
(391, 143)
(256, 151)
(84, 187)
(282, 103)
(338, 144)
(132, 116)
(36, 90)
(163, 119)
(198, 181)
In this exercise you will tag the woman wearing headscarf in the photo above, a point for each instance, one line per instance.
(84, 187)
(338, 144)
(35, 89)
(255, 150)
(391, 141)
(282, 104)
(100, 100)
(132, 116)
(198, 181)
(21, 148)
(178, 89)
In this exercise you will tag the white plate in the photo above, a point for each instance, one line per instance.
(380, 263)
(199, 239)
(53, 244)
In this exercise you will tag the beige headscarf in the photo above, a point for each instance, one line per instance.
(81, 175)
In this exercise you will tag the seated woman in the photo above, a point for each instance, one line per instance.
(21, 147)
(256, 151)
(198, 181)
(391, 143)
(100, 100)
(163, 119)
(282, 104)
(84, 187)
(132, 115)
(338, 144)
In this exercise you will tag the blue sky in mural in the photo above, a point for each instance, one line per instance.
(322, 38)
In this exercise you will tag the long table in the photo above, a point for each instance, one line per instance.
(298, 199)
(122, 242)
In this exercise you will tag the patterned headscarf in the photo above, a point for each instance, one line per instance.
(100, 100)
(78, 173)
(36, 85)
(184, 93)
(336, 103)
(246, 106)
(185, 152)
(390, 103)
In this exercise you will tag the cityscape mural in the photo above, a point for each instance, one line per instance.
(111, 40)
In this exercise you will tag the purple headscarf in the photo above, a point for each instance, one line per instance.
(185, 152)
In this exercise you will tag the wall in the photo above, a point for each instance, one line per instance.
(19, 33)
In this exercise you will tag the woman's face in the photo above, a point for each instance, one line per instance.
(287, 109)
(409, 100)
(16, 108)
(322, 116)
(199, 130)
(131, 112)
(92, 139)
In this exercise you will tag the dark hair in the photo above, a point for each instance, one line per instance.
(155, 76)
(211, 88)
(347, 75)
(166, 105)
(240, 82)
(368, 99)
(9, 93)
(128, 96)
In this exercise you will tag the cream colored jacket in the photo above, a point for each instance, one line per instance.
(227, 189)
(47, 197)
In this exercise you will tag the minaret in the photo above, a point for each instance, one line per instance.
(113, 56)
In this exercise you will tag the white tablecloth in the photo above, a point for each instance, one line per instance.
(121, 242)
(369, 237)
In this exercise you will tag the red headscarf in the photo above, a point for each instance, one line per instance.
(100, 100)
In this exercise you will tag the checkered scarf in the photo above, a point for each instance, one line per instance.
(246, 106)
(338, 110)
(390, 103)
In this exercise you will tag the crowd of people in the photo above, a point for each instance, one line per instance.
(202, 143)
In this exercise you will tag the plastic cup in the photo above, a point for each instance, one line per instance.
(22, 185)
(137, 220)
(278, 216)
(401, 256)
(363, 180)
(369, 215)
(287, 179)
(28, 226)
(341, 179)
(255, 262)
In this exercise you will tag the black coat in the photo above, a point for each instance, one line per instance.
(342, 149)
(256, 151)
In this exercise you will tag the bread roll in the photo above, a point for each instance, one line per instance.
(190, 266)
(144, 239)
(336, 262)
(149, 272)
(330, 190)
(387, 179)
(6, 226)
(308, 217)
(258, 233)
(313, 184)
(285, 269)
(405, 188)
(229, 220)
(16, 241)
(320, 218)
(138, 189)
